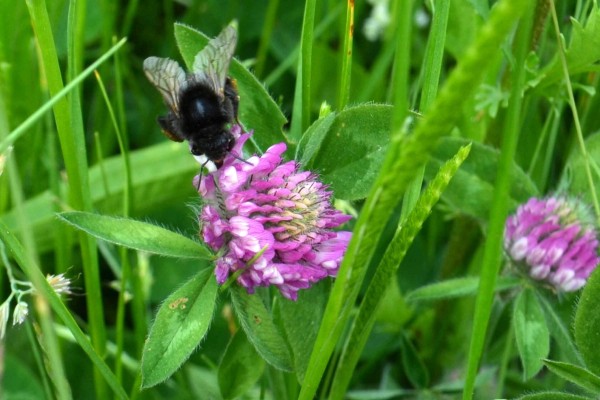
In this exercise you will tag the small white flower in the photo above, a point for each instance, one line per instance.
(422, 18)
(20, 313)
(378, 20)
(59, 283)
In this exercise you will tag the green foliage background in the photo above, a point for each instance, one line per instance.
(502, 129)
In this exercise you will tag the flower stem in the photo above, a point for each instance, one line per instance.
(492, 250)
(580, 141)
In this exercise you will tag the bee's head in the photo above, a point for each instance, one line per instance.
(195, 149)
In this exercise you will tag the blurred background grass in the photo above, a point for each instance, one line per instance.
(269, 37)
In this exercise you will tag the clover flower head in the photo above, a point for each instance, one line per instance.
(270, 223)
(553, 240)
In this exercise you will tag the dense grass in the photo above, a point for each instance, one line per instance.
(430, 135)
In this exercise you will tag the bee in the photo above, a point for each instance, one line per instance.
(203, 104)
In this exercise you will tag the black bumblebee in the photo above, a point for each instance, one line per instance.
(203, 104)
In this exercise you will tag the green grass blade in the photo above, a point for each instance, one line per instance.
(403, 23)
(20, 130)
(432, 65)
(288, 62)
(346, 73)
(404, 158)
(43, 288)
(383, 198)
(434, 55)
(37, 354)
(573, 106)
(401, 87)
(53, 364)
(125, 265)
(46, 339)
(386, 271)
(265, 37)
(69, 125)
(122, 147)
(302, 106)
(492, 251)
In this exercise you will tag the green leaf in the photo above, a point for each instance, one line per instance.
(257, 109)
(311, 141)
(163, 175)
(584, 50)
(531, 332)
(413, 364)
(463, 23)
(458, 287)
(20, 130)
(472, 189)
(262, 332)
(240, 368)
(560, 332)
(181, 323)
(301, 321)
(136, 235)
(553, 396)
(587, 323)
(19, 382)
(363, 132)
(202, 383)
(575, 177)
(575, 374)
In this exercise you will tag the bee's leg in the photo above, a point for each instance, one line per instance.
(170, 127)
(201, 174)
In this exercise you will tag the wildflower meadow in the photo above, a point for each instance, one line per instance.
(373, 200)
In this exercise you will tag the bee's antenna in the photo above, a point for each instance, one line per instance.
(232, 154)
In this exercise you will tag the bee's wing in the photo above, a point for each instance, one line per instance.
(168, 77)
(212, 63)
